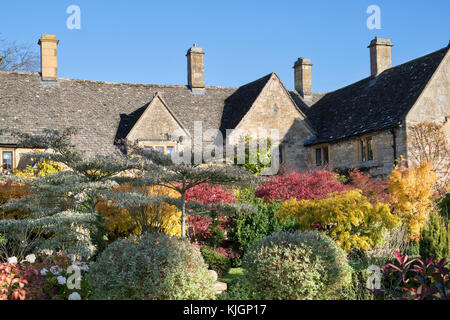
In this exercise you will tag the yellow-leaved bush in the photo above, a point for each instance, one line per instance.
(157, 217)
(348, 218)
(411, 190)
(43, 168)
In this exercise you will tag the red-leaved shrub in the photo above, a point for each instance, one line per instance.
(301, 186)
(200, 227)
(374, 189)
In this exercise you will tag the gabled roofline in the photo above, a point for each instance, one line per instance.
(158, 96)
(441, 64)
(272, 75)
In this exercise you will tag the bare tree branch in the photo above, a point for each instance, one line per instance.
(15, 57)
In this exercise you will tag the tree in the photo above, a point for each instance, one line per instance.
(62, 205)
(411, 190)
(429, 144)
(15, 57)
(162, 171)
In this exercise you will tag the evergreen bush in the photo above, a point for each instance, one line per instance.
(297, 266)
(154, 267)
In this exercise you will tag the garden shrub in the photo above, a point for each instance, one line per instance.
(301, 186)
(11, 191)
(374, 189)
(357, 288)
(216, 261)
(411, 190)
(245, 229)
(296, 266)
(444, 206)
(239, 289)
(434, 239)
(154, 267)
(349, 218)
(202, 229)
(157, 217)
(407, 278)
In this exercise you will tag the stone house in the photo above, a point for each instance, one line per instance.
(364, 124)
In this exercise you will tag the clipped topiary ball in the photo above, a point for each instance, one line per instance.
(154, 267)
(297, 266)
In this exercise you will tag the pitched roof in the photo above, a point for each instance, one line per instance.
(105, 111)
(372, 103)
(239, 103)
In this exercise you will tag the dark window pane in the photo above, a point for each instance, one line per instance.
(170, 150)
(280, 153)
(159, 149)
(363, 152)
(7, 161)
(369, 149)
(325, 156)
(318, 157)
(148, 149)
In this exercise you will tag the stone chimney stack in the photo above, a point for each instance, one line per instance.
(302, 74)
(380, 55)
(196, 69)
(49, 63)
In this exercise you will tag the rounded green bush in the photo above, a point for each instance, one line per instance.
(154, 267)
(297, 266)
(216, 261)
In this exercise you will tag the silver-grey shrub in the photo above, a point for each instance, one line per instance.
(154, 267)
(297, 266)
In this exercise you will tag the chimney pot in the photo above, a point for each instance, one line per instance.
(380, 55)
(49, 61)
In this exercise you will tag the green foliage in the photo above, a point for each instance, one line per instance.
(434, 240)
(444, 207)
(247, 228)
(257, 157)
(216, 261)
(357, 288)
(62, 205)
(297, 266)
(239, 289)
(154, 267)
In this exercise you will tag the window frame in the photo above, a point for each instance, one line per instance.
(13, 159)
(366, 150)
(164, 145)
(324, 152)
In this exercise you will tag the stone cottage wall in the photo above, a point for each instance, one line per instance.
(274, 109)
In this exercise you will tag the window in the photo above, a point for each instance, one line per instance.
(170, 150)
(7, 160)
(366, 149)
(369, 149)
(322, 156)
(280, 153)
(325, 155)
(319, 157)
(167, 150)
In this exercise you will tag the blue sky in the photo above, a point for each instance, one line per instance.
(146, 41)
